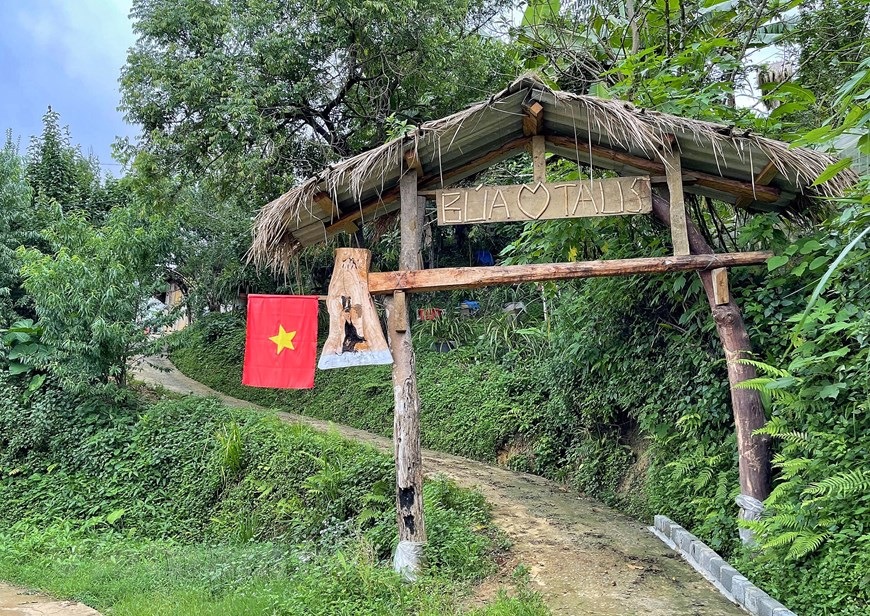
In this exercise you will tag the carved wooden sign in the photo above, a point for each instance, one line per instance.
(355, 334)
(544, 201)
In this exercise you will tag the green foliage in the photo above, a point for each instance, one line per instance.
(297, 85)
(15, 228)
(61, 178)
(90, 292)
(218, 510)
(817, 513)
(23, 352)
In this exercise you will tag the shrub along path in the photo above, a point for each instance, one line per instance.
(582, 556)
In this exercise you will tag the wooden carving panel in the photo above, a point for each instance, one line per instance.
(544, 201)
(355, 335)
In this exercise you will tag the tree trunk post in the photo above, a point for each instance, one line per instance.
(753, 450)
(409, 557)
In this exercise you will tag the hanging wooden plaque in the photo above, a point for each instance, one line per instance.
(544, 201)
(355, 335)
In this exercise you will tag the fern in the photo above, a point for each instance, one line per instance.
(779, 428)
(773, 388)
(842, 484)
(375, 503)
(764, 368)
(790, 467)
(782, 539)
(807, 543)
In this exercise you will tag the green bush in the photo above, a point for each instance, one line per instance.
(217, 510)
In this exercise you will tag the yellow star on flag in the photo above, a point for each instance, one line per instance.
(283, 339)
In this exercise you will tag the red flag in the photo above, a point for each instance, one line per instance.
(281, 341)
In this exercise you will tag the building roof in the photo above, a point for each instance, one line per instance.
(718, 161)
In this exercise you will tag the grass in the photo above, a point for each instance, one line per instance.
(462, 395)
(130, 577)
(182, 506)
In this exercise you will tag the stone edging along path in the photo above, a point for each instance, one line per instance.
(713, 567)
(583, 557)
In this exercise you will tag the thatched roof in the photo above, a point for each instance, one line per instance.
(731, 165)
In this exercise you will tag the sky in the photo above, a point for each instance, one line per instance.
(67, 54)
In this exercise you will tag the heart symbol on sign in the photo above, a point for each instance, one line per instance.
(536, 204)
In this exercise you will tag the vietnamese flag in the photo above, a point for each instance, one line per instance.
(281, 341)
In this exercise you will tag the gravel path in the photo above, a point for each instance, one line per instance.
(584, 557)
(19, 602)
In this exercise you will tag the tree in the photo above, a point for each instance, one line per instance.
(61, 178)
(251, 95)
(90, 290)
(15, 227)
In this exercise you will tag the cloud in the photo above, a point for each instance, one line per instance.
(67, 54)
(88, 39)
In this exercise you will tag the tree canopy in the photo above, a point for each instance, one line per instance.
(254, 94)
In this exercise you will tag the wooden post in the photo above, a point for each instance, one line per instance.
(539, 158)
(406, 420)
(753, 451)
(677, 222)
(355, 336)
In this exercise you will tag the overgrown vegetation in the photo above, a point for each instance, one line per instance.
(184, 506)
(615, 386)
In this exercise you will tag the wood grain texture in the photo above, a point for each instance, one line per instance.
(544, 201)
(674, 175)
(539, 158)
(764, 177)
(406, 417)
(533, 119)
(721, 294)
(444, 279)
(355, 335)
(753, 450)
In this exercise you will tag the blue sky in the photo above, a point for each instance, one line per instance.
(67, 54)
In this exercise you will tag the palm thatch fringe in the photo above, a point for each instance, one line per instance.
(626, 127)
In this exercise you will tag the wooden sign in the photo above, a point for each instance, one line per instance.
(355, 334)
(544, 201)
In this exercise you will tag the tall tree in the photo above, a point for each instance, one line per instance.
(251, 94)
(15, 226)
(62, 177)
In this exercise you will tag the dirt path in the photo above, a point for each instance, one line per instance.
(584, 557)
(19, 602)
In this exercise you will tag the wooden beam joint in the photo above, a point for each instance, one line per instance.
(533, 119)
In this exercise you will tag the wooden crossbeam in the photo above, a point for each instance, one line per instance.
(764, 194)
(326, 205)
(448, 278)
(764, 177)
